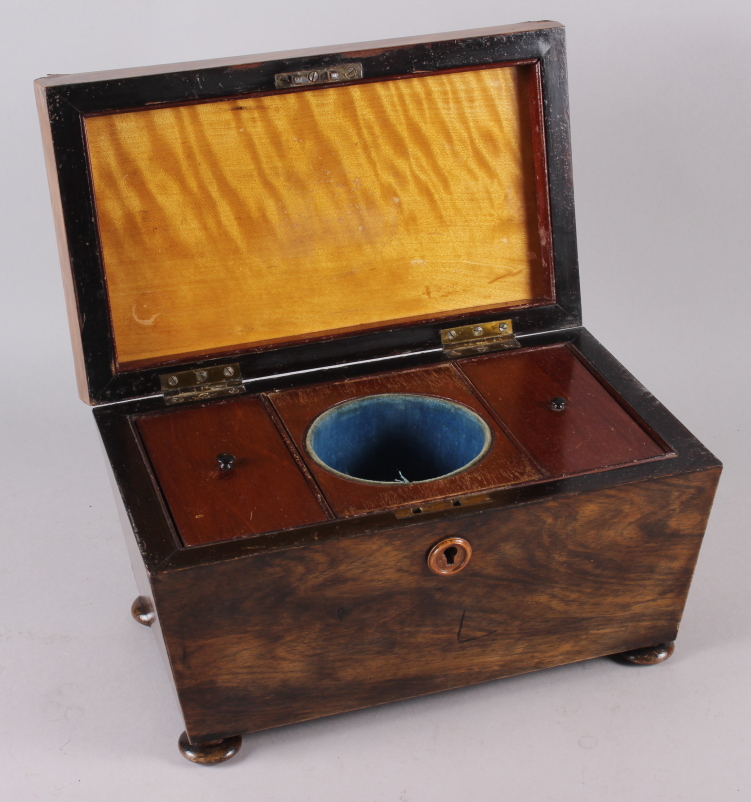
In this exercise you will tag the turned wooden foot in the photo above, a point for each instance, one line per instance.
(210, 752)
(142, 611)
(649, 655)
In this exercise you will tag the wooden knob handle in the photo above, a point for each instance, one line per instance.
(226, 461)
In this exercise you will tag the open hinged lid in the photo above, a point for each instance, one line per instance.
(297, 210)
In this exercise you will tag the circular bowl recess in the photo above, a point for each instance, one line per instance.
(397, 438)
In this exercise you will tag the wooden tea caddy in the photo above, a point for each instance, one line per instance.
(294, 281)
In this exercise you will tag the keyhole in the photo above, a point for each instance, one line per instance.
(449, 556)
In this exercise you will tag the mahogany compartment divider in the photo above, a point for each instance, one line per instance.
(504, 464)
(498, 419)
(511, 391)
(592, 432)
(309, 478)
(265, 490)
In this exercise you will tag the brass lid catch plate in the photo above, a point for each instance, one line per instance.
(478, 338)
(335, 74)
(441, 504)
(197, 385)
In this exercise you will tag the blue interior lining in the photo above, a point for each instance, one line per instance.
(398, 438)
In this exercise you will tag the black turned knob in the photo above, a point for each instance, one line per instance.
(558, 404)
(226, 461)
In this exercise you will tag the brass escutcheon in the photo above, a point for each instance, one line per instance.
(449, 556)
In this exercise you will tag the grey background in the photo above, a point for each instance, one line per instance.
(660, 121)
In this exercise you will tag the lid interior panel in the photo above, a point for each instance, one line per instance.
(283, 217)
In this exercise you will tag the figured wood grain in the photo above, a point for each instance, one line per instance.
(276, 217)
(263, 491)
(281, 637)
(503, 465)
(592, 432)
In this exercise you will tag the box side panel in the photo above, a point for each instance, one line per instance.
(140, 573)
(284, 637)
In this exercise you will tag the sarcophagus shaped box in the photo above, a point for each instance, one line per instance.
(326, 305)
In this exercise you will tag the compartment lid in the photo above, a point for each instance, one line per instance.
(295, 210)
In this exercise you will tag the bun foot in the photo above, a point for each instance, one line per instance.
(649, 655)
(210, 752)
(142, 611)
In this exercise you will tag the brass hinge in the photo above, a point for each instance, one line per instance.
(478, 338)
(195, 385)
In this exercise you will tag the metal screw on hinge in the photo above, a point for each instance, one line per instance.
(502, 326)
(477, 331)
(201, 375)
(173, 380)
(451, 335)
(558, 404)
(228, 371)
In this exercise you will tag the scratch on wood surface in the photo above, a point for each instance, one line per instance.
(477, 637)
(461, 624)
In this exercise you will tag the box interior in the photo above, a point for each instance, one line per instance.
(278, 474)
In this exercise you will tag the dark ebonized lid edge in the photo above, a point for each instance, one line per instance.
(65, 100)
